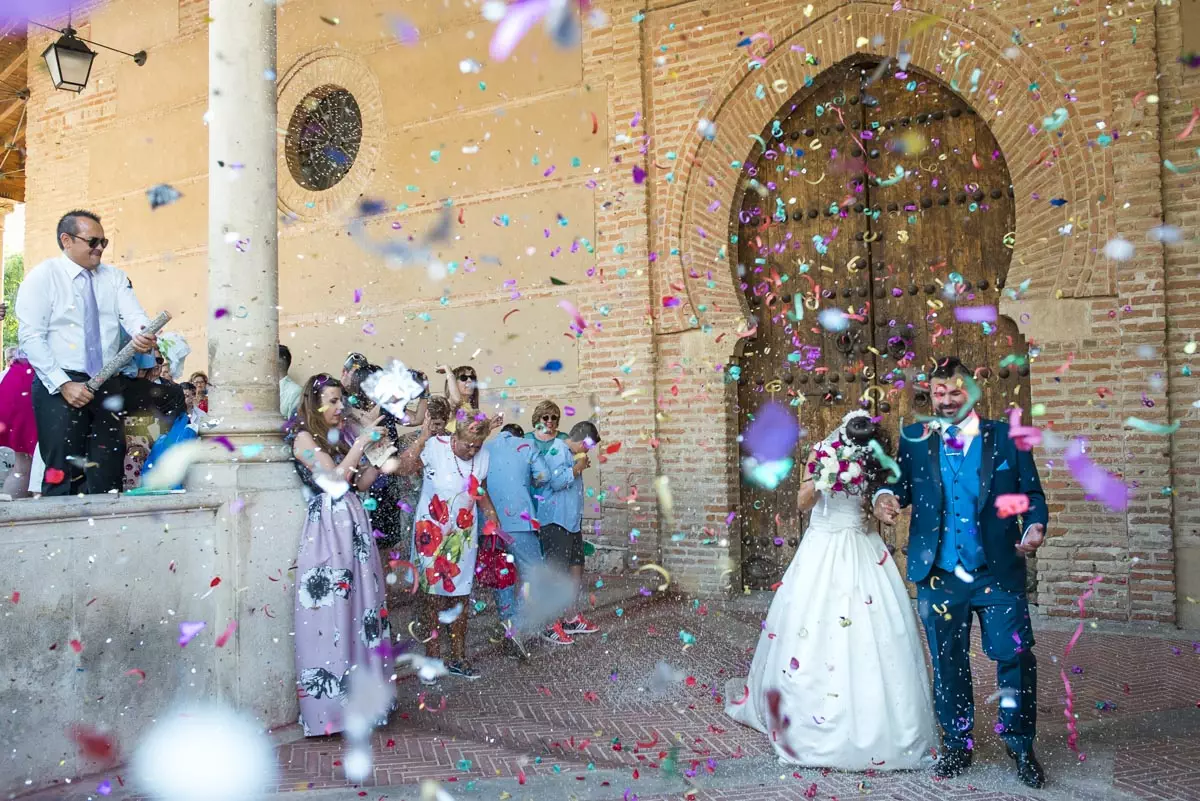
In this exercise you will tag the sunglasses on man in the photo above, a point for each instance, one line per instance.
(92, 242)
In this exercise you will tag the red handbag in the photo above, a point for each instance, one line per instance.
(494, 568)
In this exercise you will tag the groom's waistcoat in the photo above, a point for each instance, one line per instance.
(961, 540)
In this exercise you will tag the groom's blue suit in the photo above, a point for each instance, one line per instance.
(955, 525)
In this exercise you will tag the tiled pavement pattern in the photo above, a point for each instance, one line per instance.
(585, 722)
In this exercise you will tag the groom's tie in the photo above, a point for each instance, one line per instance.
(953, 443)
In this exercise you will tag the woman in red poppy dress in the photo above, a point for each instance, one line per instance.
(446, 537)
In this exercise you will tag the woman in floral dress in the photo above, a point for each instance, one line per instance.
(342, 631)
(453, 494)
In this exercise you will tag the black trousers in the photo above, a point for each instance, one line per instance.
(84, 449)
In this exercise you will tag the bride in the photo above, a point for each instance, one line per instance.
(839, 679)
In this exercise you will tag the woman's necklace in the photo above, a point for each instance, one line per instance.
(470, 472)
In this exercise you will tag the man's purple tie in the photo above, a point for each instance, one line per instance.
(91, 324)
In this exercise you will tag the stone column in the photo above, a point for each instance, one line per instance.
(255, 527)
(243, 246)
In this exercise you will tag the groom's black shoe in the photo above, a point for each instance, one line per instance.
(952, 762)
(1029, 770)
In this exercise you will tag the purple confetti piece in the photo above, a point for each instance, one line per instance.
(404, 31)
(23, 10)
(772, 435)
(1095, 480)
(219, 313)
(189, 630)
(548, 172)
(975, 314)
(569, 411)
(794, 664)
(358, 296)
(518, 19)
(670, 302)
(104, 787)
(639, 175)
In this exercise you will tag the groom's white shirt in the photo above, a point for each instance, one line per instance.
(968, 431)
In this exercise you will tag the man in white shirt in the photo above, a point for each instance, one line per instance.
(70, 311)
(289, 390)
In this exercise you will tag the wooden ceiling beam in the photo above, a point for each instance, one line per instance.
(11, 108)
(13, 66)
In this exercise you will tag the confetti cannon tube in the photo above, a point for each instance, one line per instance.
(125, 354)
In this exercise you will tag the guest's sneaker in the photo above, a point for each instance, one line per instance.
(462, 670)
(1029, 770)
(555, 635)
(580, 625)
(952, 762)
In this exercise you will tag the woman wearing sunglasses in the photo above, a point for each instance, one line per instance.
(462, 389)
(546, 416)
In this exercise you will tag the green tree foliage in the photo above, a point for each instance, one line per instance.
(14, 271)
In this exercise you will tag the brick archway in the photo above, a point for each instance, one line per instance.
(745, 101)
(696, 209)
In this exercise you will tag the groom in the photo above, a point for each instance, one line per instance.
(965, 559)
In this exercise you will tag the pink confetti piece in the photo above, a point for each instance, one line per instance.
(1069, 706)
(975, 314)
(188, 630)
(226, 634)
(1026, 438)
(670, 302)
(1191, 124)
(579, 323)
(1095, 480)
(1010, 505)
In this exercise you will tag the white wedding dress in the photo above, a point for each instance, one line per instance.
(839, 678)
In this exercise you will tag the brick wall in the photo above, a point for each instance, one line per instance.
(656, 373)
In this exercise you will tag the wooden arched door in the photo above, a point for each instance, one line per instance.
(880, 193)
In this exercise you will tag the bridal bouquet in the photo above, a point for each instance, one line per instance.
(839, 467)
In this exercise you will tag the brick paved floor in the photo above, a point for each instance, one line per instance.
(585, 722)
(590, 709)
